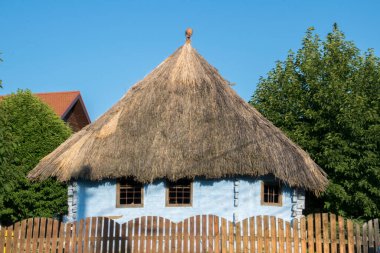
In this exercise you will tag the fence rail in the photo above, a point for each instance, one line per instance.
(316, 233)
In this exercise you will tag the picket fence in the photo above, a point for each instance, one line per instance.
(316, 233)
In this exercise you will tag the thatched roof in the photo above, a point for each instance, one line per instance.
(182, 120)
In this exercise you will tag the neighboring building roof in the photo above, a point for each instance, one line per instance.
(69, 106)
(183, 120)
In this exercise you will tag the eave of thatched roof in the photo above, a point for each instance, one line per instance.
(183, 120)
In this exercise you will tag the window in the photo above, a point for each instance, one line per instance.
(179, 193)
(129, 193)
(271, 194)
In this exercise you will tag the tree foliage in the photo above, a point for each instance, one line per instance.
(326, 97)
(33, 130)
(7, 146)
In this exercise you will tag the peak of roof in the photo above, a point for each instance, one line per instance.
(182, 120)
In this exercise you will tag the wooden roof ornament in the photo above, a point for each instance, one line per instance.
(183, 120)
(188, 33)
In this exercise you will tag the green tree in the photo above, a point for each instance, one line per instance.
(326, 98)
(7, 147)
(36, 131)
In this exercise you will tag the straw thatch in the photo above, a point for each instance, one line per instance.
(181, 121)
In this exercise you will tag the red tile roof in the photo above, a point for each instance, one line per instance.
(60, 102)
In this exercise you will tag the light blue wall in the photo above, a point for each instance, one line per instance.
(209, 197)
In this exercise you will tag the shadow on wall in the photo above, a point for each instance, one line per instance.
(82, 192)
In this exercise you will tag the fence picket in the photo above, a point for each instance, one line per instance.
(333, 233)
(198, 234)
(79, 236)
(99, 229)
(358, 239)
(224, 236)
(132, 244)
(179, 237)
(303, 235)
(252, 242)
(216, 234)
(273, 234)
(325, 233)
(210, 233)
(259, 234)
(135, 245)
(105, 234)
(161, 228)
(280, 236)
(192, 238)
(173, 230)
(185, 236)
(245, 236)
(238, 237)
(123, 244)
(129, 240)
(148, 234)
(371, 239)
(167, 231)
(231, 246)
(288, 238)
(377, 234)
(16, 237)
(86, 242)
(36, 226)
(204, 233)
(365, 238)
(8, 244)
(143, 233)
(342, 240)
(350, 236)
(266, 234)
(68, 229)
(2, 237)
(117, 237)
(23, 236)
(295, 236)
(318, 236)
(61, 237)
(92, 235)
(74, 238)
(310, 233)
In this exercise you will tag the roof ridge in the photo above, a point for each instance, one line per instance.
(56, 92)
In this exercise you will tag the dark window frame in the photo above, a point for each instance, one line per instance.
(171, 184)
(130, 183)
(271, 184)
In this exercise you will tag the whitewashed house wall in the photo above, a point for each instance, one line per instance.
(233, 199)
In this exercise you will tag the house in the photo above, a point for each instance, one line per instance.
(69, 106)
(179, 143)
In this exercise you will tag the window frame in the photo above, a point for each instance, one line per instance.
(263, 203)
(167, 204)
(118, 205)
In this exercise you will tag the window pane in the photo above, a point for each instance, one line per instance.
(130, 192)
(179, 193)
(271, 193)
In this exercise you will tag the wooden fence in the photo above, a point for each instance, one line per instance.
(315, 233)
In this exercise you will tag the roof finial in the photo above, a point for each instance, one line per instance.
(188, 33)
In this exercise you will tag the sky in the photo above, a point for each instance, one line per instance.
(102, 48)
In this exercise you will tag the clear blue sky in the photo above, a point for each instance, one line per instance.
(103, 47)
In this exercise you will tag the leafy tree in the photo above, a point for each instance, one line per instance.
(36, 130)
(326, 98)
(7, 147)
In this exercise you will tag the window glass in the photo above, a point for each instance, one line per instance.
(130, 193)
(179, 193)
(271, 193)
